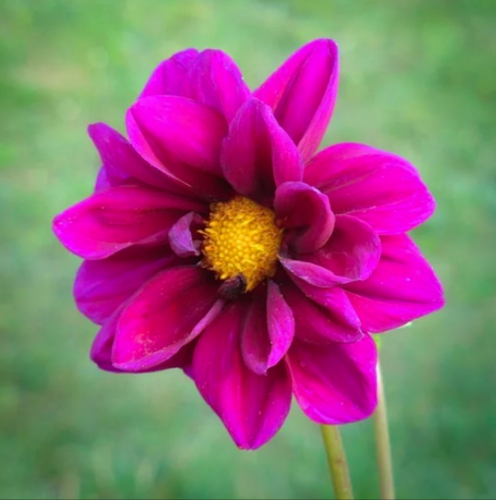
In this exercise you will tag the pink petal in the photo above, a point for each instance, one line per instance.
(167, 313)
(257, 155)
(121, 162)
(183, 236)
(267, 330)
(101, 350)
(252, 407)
(402, 288)
(182, 138)
(170, 75)
(335, 383)
(111, 220)
(306, 214)
(303, 92)
(101, 286)
(353, 250)
(322, 315)
(216, 81)
(380, 188)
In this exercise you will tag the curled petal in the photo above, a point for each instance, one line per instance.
(306, 214)
(216, 81)
(311, 273)
(302, 93)
(182, 138)
(382, 189)
(170, 76)
(101, 350)
(335, 383)
(159, 320)
(402, 288)
(257, 155)
(111, 220)
(183, 235)
(101, 286)
(267, 330)
(252, 407)
(322, 315)
(352, 251)
(122, 163)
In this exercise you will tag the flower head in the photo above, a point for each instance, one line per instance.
(218, 242)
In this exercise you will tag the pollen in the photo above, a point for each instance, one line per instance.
(241, 237)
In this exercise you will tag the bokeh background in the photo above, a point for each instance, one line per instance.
(418, 78)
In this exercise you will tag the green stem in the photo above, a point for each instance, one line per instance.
(338, 466)
(383, 447)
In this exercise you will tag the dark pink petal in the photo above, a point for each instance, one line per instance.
(322, 315)
(216, 81)
(121, 162)
(101, 286)
(303, 92)
(182, 138)
(170, 75)
(252, 407)
(267, 330)
(111, 220)
(257, 155)
(402, 288)
(183, 235)
(167, 313)
(352, 251)
(382, 189)
(306, 214)
(335, 383)
(101, 350)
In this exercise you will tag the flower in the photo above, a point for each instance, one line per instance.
(217, 241)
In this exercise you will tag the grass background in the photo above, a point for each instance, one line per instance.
(418, 79)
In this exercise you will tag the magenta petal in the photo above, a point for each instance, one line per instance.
(170, 76)
(101, 350)
(101, 286)
(182, 138)
(306, 214)
(183, 235)
(216, 81)
(303, 92)
(166, 314)
(402, 288)
(353, 250)
(335, 383)
(311, 273)
(281, 323)
(111, 220)
(252, 407)
(382, 189)
(121, 162)
(103, 181)
(257, 155)
(267, 330)
(322, 315)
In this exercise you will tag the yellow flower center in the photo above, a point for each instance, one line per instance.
(241, 239)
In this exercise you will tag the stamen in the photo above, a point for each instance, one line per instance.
(241, 239)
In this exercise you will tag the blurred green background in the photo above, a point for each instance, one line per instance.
(418, 78)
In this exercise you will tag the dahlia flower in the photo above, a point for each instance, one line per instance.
(218, 242)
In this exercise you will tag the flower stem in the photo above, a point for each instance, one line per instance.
(338, 466)
(383, 447)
